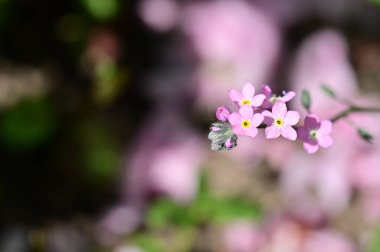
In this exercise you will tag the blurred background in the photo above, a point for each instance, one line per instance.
(105, 107)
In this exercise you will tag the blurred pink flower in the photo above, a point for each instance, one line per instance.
(247, 97)
(280, 122)
(242, 236)
(235, 43)
(161, 15)
(245, 122)
(315, 133)
(328, 241)
(165, 160)
(323, 59)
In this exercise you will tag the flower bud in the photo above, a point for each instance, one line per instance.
(222, 113)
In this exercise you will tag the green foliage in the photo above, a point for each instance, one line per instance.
(206, 208)
(28, 124)
(365, 135)
(101, 10)
(100, 155)
(377, 2)
(306, 99)
(328, 91)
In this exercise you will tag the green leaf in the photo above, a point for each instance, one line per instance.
(328, 91)
(306, 99)
(365, 135)
(28, 124)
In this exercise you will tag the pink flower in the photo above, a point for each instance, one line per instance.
(280, 122)
(245, 122)
(247, 97)
(272, 98)
(222, 113)
(315, 133)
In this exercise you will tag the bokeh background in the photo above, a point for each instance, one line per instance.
(105, 107)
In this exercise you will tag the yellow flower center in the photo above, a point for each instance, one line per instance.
(278, 122)
(246, 124)
(245, 102)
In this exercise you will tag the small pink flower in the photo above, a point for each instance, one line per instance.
(272, 98)
(245, 122)
(280, 121)
(222, 113)
(247, 97)
(315, 133)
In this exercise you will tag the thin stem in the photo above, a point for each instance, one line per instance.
(354, 109)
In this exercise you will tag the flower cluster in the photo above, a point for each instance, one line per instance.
(269, 111)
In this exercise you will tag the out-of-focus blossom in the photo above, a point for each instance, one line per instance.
(165, 160)
(323, 59)
(329, 241)
(242, 236)
(245, 122)
(272, 98)
(315, 133)
(280, 122)
(247, 97)
(235, 43)
(161, 15)
(222, 113)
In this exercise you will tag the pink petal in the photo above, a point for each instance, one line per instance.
(279, 109)
(292, 118)
(267, 91)
(268, 117)
(310, 148)
(272, 132)
(303, 133)
(288, 132)
(257, 119)
(234, 118)
(238, 130)
(288, 96)
(326, 127)
(248, 91)
(235, 95)
(258, 100)
(325, 141)
(312, 122)
(246, 112)
(251, 131)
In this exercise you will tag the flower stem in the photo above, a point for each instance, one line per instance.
(354, 109)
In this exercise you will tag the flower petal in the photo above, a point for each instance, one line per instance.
(257, 119)
(267, 91)
(272, 132)
(287, 97)
(325, 141)
(257, 100)
(238, 130)
(234, 118)
(312, 122)
(279, 109)
(246, 112)
(268, 117)
(288, 132)
(326, 127)
(251, 131)
(292, 118)
(303, 133)
(235, 95)
(310, 148)
(248, 91)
